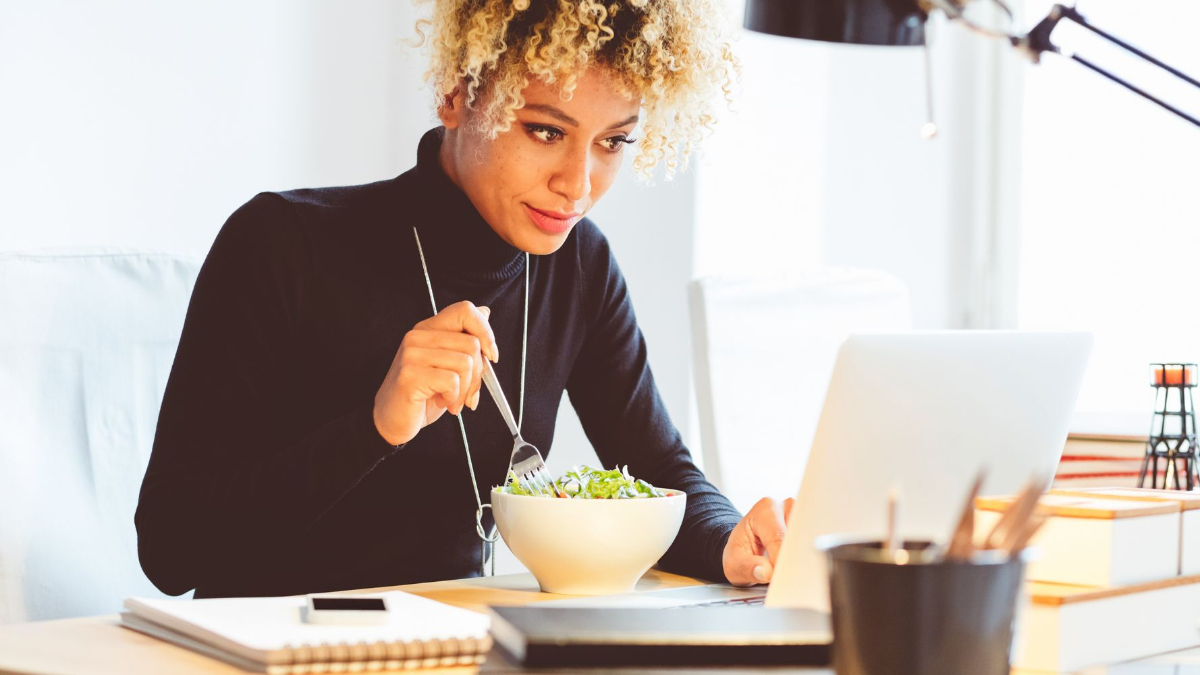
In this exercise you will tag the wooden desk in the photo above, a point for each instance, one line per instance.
(99, 646)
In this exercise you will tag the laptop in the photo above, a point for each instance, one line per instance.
(921, 411)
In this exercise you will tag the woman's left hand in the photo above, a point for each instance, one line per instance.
(754, 544)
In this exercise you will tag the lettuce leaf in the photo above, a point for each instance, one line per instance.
(586, 482)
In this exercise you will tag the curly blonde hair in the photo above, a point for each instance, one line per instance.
(673, 54)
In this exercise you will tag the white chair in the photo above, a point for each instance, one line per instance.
(87, 339)
(764, 350)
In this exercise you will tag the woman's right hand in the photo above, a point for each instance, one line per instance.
(438, 367)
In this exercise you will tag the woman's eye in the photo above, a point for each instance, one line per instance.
(543, 133)
(617, 142)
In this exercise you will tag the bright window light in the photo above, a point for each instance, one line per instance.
(1111, 204)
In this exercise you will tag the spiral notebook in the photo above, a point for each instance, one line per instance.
(267, 634)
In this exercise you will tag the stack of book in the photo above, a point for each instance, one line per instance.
(1102, 462)
(1118, 576)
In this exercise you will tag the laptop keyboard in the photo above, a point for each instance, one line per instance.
(732, 602)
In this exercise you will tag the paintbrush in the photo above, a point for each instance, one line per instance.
(1026, 533)
(1016, 517)
(962, 541)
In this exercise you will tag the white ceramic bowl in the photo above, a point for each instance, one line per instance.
(588, 546)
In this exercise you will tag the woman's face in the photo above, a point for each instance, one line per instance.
(533, 182)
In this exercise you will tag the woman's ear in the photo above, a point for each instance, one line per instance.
(452, 109)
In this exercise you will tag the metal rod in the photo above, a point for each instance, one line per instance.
(1037, 40)
(1192, 458)
(929, 129)
(1135, 89)
(1149, 441)
(1070, 13)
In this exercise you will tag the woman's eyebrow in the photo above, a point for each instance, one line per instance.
(553, 112)
(567, 119)
(629, 120)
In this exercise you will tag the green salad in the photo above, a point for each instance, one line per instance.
(585, 482)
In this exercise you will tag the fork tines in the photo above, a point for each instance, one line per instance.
(539, 481)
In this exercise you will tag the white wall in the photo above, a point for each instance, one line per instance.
(144, 124)
(760, 187)
(820, 162)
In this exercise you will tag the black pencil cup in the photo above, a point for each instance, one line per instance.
(912, 612)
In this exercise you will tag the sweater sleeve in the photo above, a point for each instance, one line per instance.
(225, 482)
(613, 392)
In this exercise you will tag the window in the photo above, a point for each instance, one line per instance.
(1110, 194)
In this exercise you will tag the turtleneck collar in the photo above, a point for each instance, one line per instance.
(456, 239)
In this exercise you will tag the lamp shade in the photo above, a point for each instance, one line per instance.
(863, 22)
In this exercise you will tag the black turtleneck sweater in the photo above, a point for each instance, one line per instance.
(268, 476)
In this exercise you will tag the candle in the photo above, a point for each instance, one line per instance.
(1168, 375)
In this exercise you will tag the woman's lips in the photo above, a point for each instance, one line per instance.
(552, 222)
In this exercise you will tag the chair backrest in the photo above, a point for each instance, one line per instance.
(764, 349)
(87, 338)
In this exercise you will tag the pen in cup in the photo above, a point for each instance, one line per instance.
(891, 542)
(962, 542)
(1017, 519)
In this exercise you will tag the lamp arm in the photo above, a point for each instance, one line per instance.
(1038, 41)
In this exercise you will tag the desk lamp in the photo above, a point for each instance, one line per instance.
(902, 23)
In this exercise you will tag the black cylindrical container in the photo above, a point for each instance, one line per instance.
(915, 613)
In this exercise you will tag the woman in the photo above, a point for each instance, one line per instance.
(303, 445)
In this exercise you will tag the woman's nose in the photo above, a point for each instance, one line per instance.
(573, 179)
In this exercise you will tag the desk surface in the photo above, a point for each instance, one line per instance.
(99, 646)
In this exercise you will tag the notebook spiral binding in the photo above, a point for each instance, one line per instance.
(367, 656)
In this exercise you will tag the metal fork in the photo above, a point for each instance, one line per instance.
(526, 462)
